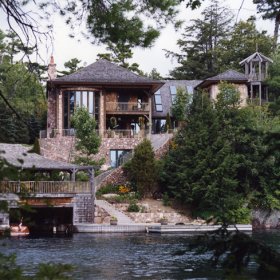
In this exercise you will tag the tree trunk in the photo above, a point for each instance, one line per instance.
(276, 29)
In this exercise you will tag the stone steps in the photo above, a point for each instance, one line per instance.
(112, 211)
(159, 140)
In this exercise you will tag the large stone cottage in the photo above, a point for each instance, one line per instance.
(126, 106)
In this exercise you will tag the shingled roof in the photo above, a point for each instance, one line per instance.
(166, 94)
(105, 72)
(19, 156)
(229, 76)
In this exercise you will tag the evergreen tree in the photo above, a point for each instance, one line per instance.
(180, 107)
(199, 58)
(141, 170)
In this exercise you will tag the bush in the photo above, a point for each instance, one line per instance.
(110, 188)
(166, 200)
(133, 207)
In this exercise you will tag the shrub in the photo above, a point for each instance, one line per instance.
(110, 188)
(165, 200)
(133, 207)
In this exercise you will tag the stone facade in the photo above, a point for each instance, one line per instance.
(63, 148)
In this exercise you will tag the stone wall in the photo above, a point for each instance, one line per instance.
(116, 177)
(101, 216)
(265, 219)
(51, 120)
(63, 148)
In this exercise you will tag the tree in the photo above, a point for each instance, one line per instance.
(119, 53)
(219, 162)
(274, 76)
(141, 170)
(199, 58)
(71, 66)
(88, 140)
(244, 39)
(270, 10)
(180, 107)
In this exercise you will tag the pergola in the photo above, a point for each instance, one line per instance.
(21, 158)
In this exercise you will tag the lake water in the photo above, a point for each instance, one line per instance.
(119, 256)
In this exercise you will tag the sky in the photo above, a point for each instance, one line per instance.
(64, 48)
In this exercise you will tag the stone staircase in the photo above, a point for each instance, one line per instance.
(83, 211)
(112, 211)
(159, 140)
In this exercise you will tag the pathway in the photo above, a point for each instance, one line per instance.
(112, 211)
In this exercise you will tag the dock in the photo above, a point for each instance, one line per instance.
(155, 228)
(194, 228)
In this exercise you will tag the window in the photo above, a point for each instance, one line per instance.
(189, 89)
(117, 157)
(158, 101)
(173, 91)
(73, 99)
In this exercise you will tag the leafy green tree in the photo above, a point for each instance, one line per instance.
(155, 75)
(141, 170)
(88, 140)
(270, 10)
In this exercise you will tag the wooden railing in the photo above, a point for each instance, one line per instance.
(46, 187)
(127, 107)
(125, 133)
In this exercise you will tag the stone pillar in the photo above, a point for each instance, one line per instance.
(102, 114)
(59, 113)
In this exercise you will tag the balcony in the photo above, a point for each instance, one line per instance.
(127, 107)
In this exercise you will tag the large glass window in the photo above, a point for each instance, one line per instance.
(173, 91)
(158, 101)
(72, 99)
(117, 157)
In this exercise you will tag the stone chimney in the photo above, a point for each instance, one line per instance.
(52, 74)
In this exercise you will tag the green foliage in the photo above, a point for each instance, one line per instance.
(168, 124)
(166, 200)
(9, 270)
(141, 170)
(212, 44)
(52, 271)
(71, 66)
(180, 107)
(235, 251)
(133, 207)
(110, 188)
(36, 147)
(222, 157)
(88, 141)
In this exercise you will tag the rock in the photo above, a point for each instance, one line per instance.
(109, 195)
(107, 220)
(264, 219)
(97, 220)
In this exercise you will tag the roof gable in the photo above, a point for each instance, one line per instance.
(258, 56)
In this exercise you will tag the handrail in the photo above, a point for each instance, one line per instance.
(127, 107)
(36, 187)
(125, 133)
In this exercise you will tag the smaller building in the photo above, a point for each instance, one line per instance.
(239, 80)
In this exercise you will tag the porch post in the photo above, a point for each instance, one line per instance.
(59, 113)
(150, 115)
(102, 114)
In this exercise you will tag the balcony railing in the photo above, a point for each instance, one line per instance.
(127, 107)
(125, 133)
(257, 77)
(45, 187)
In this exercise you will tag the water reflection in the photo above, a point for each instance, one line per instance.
(117, 256)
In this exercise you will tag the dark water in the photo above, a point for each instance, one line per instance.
(119, 256)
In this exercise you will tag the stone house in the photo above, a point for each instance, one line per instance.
(126, 106)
